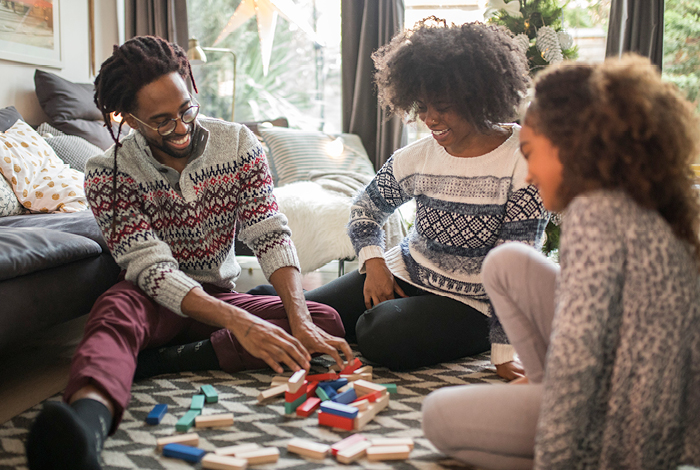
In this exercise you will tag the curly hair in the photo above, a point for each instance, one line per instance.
(476, 67)
(617, 125)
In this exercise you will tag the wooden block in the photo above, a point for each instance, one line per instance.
(334, 384)
(223, 462)
(369, 414)
(347, 442)
(354, 377)
(361, 405)
(272, 392)
(363, 387)
(354, 452)
(197, 402)
(314, 450)
(187, 421)
(210, 394)
(311, 389)
(364, 370)
(322, 377)
(296, 381)
(308, 407)
(351, 367)
(179, 451)
(191, 439)
(372, 397)
(214, 421)
(327, 419)
(290, 397)
(290, 408)
(156, 414)
(334, 368)
(233, 450)
(375, 454)
(392, 441)
(321, 393)
(339, 409)
(345, 397)
(346, 387)
(391, 388)
(259, 456)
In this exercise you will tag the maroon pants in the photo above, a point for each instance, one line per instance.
(124, 321)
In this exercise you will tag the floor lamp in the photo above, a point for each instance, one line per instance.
(196, 56)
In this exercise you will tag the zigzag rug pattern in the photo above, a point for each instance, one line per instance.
(133, 445)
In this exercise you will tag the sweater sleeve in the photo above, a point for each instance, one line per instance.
(584, 337)
(262, 227)
(371, 208)
(148, 261)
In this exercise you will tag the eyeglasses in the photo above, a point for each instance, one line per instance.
(166, 128)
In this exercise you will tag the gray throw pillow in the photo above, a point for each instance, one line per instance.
(8, 117)
(73, 150)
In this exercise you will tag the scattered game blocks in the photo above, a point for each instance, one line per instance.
(375, 454)
(156, 414)
(290, 407)
(296, 381)
(346, 397)
(309, 449)
(191, 439)
(308, 407)
(197, 402)
(187, 421)
(237, 449)
(179, 451)
(260, 456)
(321, 393)
(210, 394)
(364, 387)
(302, 390)
(339, 409)
(214, 421)
(223, 462)
(334, 384)
(347, 442)
(368, 415)
(322, 377)
(354, 452)
(352, 366)
(335, 421)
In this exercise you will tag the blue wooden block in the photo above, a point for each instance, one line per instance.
(210, 394)
(156, 414)
(339, 409)
(330, 391)
(197, 402)
(179, 451)
(334, 384)
(346, 397)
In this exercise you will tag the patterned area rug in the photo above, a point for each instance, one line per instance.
(133, 446)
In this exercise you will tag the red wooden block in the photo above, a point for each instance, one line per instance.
(372, 397)
(327, 419)
(311, 389)
(354, 365)
(322, 377)
(347, 442)
(291, 397)
(308, 407)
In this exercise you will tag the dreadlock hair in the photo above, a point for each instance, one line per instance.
(133, 65)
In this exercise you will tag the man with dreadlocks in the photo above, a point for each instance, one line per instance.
(168, 199)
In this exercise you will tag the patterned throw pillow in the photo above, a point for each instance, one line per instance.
(294, 153)
(9, 204)
(73, 150)
(40, 180)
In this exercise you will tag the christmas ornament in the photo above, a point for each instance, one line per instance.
(548, 44)
(522, 42)
(565, 40)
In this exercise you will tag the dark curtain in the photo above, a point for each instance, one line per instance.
(636, 26)
(366, 25)
(164, 18)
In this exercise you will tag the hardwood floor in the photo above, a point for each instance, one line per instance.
(39, 369)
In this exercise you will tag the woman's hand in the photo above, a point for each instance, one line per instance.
(380, 284)
(315, 340)
(510, 370)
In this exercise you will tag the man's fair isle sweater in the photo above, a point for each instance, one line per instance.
(171, 238)
(464, 208)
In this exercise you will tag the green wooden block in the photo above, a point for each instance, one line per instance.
(210, 394)
(290, 408)
(321, 393)
(197, 402)
(391, 388)
(187, 421)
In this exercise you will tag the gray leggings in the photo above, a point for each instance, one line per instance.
(493, 426)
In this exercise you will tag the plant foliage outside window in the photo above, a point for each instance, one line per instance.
(682, 47)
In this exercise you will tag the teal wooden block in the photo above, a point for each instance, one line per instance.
(210, 394)
(391, 388)
(187, 421)
(197, 402)
(321, 393)
(290, 408)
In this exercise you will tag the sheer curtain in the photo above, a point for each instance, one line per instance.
(636, 26)
(164, 18)
(366, 25)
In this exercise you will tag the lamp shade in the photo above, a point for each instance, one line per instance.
(195, 54)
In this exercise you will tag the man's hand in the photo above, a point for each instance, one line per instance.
(510, 370)
(315, 340)
(380, 284)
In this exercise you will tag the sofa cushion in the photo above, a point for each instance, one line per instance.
(73, 150)
(71, 108)
(9, 204)
(76, 223)
(8, 116)
(26, 250)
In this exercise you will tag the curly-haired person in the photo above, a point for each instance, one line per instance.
(422, 302)
(610, 340)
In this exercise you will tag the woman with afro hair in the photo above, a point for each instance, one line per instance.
(423, 302)
(610, 339)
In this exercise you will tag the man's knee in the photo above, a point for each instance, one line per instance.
(327, 318)
(381, 340)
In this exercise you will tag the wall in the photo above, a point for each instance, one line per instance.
(17, 79)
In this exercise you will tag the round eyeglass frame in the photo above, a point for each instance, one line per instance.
(162, 128)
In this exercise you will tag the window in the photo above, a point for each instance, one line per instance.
(682, 47)
(303, 81)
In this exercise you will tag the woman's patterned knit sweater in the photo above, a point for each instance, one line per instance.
(464, 208)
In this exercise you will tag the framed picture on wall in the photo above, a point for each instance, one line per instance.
(30, 32)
